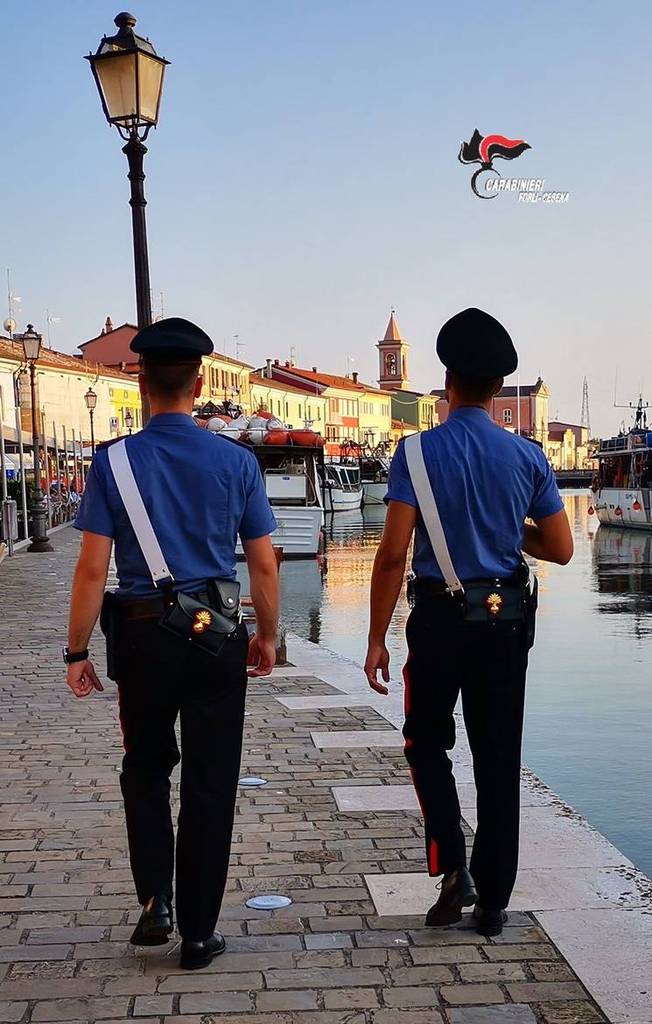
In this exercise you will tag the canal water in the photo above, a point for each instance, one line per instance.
(589, 705)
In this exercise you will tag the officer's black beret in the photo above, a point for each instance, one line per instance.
(473, 343)
(172, 338)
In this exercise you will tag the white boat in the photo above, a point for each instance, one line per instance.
(293, 487)
(622, 488)
(375, 470)
(342, 487)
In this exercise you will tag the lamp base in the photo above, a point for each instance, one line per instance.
(39, 545)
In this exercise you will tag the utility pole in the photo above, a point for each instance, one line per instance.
(585, 420)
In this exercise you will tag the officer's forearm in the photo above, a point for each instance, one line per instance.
(85, 605)
(386, 583)
(264, 595)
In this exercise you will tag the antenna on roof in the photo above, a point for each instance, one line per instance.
(237, 346)
(50, 319)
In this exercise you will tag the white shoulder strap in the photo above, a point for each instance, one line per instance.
(135, 507)
(429, 511)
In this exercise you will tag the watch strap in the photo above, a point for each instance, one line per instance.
(70, 657)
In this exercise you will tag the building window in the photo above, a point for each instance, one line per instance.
(507, 415)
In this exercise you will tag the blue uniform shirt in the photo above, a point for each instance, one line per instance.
(200, 492)
(485, 481)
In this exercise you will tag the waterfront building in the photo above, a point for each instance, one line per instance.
(291, 404)
(62, 380)
(568, 446)
(354, 411)
(226, 380)
(534, 399)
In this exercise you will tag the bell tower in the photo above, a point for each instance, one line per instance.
(392, 357)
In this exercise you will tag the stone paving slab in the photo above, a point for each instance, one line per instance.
(67, 903)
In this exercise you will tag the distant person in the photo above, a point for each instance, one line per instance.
(174, 499)
(472, 624)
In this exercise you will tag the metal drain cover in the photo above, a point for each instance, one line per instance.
(270, 902)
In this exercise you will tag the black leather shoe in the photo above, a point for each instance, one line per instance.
(156, 923)
(457, 891)
(195, 955)
(489, 922)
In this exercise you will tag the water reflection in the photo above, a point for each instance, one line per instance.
(622, 565)
(589, 712)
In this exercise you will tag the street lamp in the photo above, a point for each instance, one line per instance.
(91, 401)
(129, 420)
(129, 76)
(32, 342)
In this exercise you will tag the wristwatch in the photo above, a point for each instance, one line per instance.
(70, 657)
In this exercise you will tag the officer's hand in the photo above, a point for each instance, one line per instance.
(377, 659)
(261, 657)
(82, 678)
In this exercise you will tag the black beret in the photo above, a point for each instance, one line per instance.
(473, 343)
(172, 338)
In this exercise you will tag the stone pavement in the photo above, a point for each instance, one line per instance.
(67, 899)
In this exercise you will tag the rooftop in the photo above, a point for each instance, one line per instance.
(393, 332)
(326, 380)
(278, 385)
(49, 357)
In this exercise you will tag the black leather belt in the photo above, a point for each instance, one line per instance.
(138, 608)
(427, 586)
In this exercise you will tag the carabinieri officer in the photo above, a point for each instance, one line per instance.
(486, 481)
(200, 492)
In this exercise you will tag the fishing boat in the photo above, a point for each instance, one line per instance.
(375, 471)
(342, 486)
(292, 476)
(622, 487)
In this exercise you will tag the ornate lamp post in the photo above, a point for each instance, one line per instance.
(129, 420)
(32, 342)
(129, 76)
(91, 401)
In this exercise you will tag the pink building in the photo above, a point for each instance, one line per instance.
(111, 347)
(505, 410)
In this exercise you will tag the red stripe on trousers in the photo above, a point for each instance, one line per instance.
(433, 850)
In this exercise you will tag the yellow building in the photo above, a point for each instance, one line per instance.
(291, 404)
(568, 446)
(226, 380)
(375, 416)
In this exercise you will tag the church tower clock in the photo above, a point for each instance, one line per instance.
(392, 356)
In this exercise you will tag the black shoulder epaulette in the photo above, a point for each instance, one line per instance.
(107, 444)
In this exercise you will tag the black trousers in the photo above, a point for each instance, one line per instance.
(162, 678)
(488, 665)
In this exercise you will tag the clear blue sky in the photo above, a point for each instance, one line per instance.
(304, 178)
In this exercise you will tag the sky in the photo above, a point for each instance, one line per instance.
(304, 179)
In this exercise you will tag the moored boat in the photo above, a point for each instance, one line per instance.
(342, 486)
(622, 487)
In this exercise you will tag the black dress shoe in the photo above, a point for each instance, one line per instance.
(489, 922)
(457, 891)
(195, 955)
(156, 923)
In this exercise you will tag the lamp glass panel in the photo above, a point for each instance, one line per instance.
(91, 399)
(32, 346)
(150, 84)
(117, 78)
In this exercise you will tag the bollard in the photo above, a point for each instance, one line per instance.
(9, 523)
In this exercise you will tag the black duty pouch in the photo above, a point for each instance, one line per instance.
(108, 624)
(511, 602)
(205, 624)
